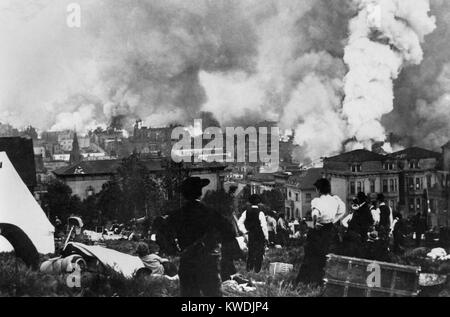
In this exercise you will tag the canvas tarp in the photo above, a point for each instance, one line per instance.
(120, 262)
(20, 215)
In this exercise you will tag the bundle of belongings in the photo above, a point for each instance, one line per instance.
(104, 236)
(98, 259)
(94, 259)
(239, 284)
(438, 254)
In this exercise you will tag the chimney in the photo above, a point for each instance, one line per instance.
(446, 156)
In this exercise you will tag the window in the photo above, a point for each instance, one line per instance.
(372, 186)
(356, 168)
(90, 191)
(418, 204)
(411, 205)
(428, 181)
(391, 186)
(290, 194)
(411, 183)
(308, 198)
(413, 164)
(385, 186)
(389, 166)
(396, 185)
(419, 184)
(360, 187)
(352, 188)
(296, 197)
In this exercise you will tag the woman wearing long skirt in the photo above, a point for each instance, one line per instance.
(327, 210)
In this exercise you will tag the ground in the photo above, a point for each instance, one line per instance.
(17, 280)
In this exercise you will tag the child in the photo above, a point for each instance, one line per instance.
(149, 256)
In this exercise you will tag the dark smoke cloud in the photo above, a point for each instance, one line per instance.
(230, 62)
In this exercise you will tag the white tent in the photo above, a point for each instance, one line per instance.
(19, 208)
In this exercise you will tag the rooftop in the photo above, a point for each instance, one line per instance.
(306, 180)
(356, 157)
(414, 153)
(109, 167)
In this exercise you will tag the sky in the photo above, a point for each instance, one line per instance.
(320, 68)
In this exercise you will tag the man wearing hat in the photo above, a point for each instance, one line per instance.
(199, 232)
(359, 227)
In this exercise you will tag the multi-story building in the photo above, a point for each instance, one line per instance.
(261, 182)
(300, 191)
(412, 180)
(363, 171)
(86, 178)
(423, 183)
(149, 140)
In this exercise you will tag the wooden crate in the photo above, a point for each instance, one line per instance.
(352, 277)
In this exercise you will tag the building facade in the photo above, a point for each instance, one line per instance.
(300, 191)
(363, 171)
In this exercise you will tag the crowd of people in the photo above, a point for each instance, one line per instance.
(207, 241)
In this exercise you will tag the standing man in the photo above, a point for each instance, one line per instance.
(359, 227)
(385, 218)
(282, 230)
(420, 227)
(253, 224)
(199, 232)
(271, 227)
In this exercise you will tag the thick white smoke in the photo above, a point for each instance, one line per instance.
(242, 61)
(385, 36)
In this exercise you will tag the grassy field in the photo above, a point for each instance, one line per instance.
(17, 280)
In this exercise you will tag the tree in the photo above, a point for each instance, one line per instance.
(142, 192)
(273, 199)
(220, 201)
(171, 183)
(59, 202)
(110, 201)
(244, 197)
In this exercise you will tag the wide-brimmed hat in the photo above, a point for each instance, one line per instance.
(193, 185)
(362, 198)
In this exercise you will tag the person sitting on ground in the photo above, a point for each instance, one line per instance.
(399, 233)
(149, 256)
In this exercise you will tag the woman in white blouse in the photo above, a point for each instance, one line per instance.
(327, 210)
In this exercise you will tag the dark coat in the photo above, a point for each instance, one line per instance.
(196, 224)
(385, 213)
(361, 221)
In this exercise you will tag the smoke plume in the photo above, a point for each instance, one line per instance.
(322, 68)
(385, 36)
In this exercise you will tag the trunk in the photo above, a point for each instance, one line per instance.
(352, 277)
